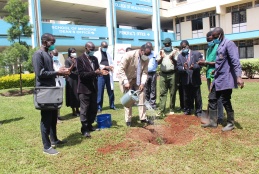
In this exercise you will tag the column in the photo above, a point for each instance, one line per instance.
(32, 21)
(109, 22)
(35, 20)
(156, 27)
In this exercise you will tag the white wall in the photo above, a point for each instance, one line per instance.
(256, 51)
(252, 19)
(228, 23)
(206, 25)
(100, 3)
(186, 30)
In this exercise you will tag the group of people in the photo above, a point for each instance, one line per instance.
(88, 74)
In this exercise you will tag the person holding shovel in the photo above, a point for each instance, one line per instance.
(210, 65)
(227, 76)
(133, 72)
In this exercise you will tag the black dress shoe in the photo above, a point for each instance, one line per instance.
(148, 122)
(179, 109)
(220, 121)
(58, 142)
(113, 108)
(187, 113)
(91, 128)
(87, 135)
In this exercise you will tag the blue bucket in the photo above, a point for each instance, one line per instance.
(104, 121)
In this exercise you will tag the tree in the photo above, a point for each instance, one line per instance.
(19, 20)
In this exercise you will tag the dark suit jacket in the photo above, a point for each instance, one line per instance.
(188, 76)
(87, 78)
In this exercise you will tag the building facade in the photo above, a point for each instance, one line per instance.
(135, 22)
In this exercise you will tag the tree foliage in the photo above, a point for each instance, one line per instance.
(18, 19)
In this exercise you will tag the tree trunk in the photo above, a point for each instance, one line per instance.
(20, 79)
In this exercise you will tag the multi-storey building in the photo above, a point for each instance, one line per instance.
(135, 22)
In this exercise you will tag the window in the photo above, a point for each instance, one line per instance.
(246, 48)
(212, 21)
(178, 27)
(246, 52)
(181, 1)
(239, 21)
(240, 7)
(197, 24)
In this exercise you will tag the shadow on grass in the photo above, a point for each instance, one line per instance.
(117, 106)
(238, 125)
(11, 120)
(135, 122)
(68, 117)
(115, 125)
(73, 139)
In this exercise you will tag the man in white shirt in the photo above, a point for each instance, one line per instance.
(106, 63)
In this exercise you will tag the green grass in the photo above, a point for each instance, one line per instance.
(21, 146)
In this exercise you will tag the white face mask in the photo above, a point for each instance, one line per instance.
(73, 55)
(144, 57)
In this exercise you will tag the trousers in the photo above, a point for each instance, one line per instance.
(224, 96)
(192, 94)
(48, 127)
(141, 107)
(167, 82)
(220, 105)
(150, 88)
(88, 110)
(102, 82)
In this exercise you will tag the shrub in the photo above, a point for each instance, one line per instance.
(13, 81)
(250, 67)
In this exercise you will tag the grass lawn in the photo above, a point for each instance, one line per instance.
(209, 151)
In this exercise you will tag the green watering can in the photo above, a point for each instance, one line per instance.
(129, 98)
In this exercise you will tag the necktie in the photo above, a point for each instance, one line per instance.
(139, 72)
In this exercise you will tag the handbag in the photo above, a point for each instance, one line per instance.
(48, 98)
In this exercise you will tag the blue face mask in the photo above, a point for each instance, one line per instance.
(91, 53)
(185, 51)
(55, 58)
(104, 49)
(167, 49)
(211, 44)
(217, 41)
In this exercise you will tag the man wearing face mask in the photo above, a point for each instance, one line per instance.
(106, 62)
(210, 67)
(168, 76)
(150, 87)
(189, 69)
(227, 76)
(45, 76)
(88, 70)
(133, 73)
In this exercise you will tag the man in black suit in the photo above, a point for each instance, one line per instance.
(190, 78)
(88, 70)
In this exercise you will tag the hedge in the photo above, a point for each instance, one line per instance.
(250, 67)
(13, 81)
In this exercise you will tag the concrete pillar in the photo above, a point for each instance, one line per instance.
(35, 20)
(32, 21)
(109, 22)
(156, 27)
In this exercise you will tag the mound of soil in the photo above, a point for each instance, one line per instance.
(177, 132)
(16, 93)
